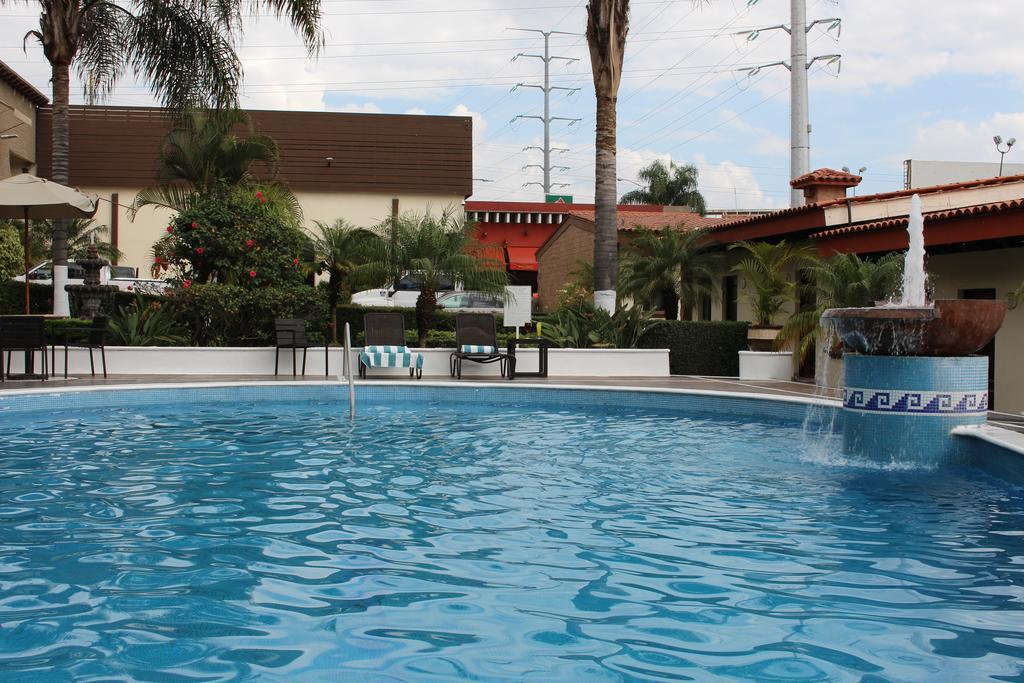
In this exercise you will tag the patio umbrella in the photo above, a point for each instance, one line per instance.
(26, 196)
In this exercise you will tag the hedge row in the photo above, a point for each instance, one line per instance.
(699, 348)
(12, 298)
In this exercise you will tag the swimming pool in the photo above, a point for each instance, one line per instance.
(224, 534)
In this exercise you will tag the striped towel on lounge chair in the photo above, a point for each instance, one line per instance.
(385, 345)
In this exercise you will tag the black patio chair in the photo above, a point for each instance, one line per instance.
(291, 334)
(384, 345)
(92, 337)
(26, 334)
(476, 340)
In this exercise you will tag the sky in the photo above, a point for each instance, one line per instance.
(921, 79)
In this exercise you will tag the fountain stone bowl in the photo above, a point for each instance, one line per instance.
(949, 327)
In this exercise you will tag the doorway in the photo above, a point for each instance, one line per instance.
(990, 348)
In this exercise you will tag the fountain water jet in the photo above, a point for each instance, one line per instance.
(909, 376)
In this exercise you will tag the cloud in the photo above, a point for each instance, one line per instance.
(364, 108)
(415, 111)
(958, 140)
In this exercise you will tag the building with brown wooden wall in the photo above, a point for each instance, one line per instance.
(339, 165)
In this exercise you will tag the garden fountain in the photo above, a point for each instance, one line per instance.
(909, 376)
(91, 294)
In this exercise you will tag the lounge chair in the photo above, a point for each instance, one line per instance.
(384, 345)
(476, 340)
(291, 334)
(23, 333)
(92, 337)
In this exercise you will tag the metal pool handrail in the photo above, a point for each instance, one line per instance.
(347, 365)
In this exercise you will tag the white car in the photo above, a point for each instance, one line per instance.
(123, 277)
(472, 302)
(402, 296)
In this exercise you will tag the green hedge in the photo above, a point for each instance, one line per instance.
(12, 298)
(699, 348)
(443, 320)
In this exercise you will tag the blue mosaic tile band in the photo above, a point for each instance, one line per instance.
(915, 402)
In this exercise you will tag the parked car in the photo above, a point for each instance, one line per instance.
(124, 278)
(472, 302)
(402, 296)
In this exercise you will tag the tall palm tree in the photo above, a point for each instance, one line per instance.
(607, 25)
(80, 232)
(184, 49)
(203, 153)
(677, 265)
(671, 185)
(766, 269)
(842, 281)
(339, 249)
(435, 250)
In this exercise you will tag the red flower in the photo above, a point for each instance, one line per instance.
(263, 200)
(295, 261)
(252, 273)
(259, 195)
(157, 260)
(249, 243)
(194, 224)
(186, 283)
(199, 250)
(129, 288)
(170, 228)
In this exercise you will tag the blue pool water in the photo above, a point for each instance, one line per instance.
(430, 543)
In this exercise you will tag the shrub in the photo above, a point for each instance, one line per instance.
(12, 255)
(145, 322)
(233, 237)
(699, 347)
(443, 320)
(583, 325)
(12, 298)
(230, 315)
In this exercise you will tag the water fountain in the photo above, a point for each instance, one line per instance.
(909, 376)
(91, 294)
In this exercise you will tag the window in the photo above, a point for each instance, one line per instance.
(730, 297)
(704, 307)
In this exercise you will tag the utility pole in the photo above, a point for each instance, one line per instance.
(799, 125)
(798, 65)
(547, 58)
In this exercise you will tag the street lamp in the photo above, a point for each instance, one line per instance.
(998, 139)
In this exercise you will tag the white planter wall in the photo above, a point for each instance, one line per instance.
(139, 360)
(766, 365)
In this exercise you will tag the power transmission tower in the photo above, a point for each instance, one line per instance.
(547, 58)
(798, 65)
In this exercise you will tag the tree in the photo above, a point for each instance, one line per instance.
(842, 281)
(184, 49)
(232, 235)
(339, 249)
(677, 265)
(670, 185)
(12, 254)
(203, 153)
(80, 233)
(435, 250)
(607, 25)
(765, 268)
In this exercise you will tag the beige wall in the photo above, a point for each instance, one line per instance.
(1003, 270)
(136, 238)
(17, 117)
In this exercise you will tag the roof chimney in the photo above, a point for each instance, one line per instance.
(824, 185)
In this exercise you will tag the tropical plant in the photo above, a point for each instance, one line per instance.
(435, 250)
(670, 185)
(204, 153)
(12, 254)
(231, 236)
(81, 232)
(766, 270)
(339, 249)
(582, 325)
(842, 281)
(147, 323)
(607, 26)
(184, 50)
(675, 265)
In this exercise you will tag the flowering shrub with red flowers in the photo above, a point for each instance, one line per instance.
(233, 235)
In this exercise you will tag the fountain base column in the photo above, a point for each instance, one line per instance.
(900, 409)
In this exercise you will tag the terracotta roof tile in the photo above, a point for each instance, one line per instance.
(826, 176)
(655, 220)
(902, 221)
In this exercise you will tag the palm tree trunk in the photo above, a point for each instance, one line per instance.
(606, 245)
(60, 174)
(426, 304)
(671, 303)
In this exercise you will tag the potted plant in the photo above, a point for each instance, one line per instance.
(767, 270)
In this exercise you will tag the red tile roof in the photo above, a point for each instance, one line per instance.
(858, 199)
(902, 221)
(656, 220)
(826, 176)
